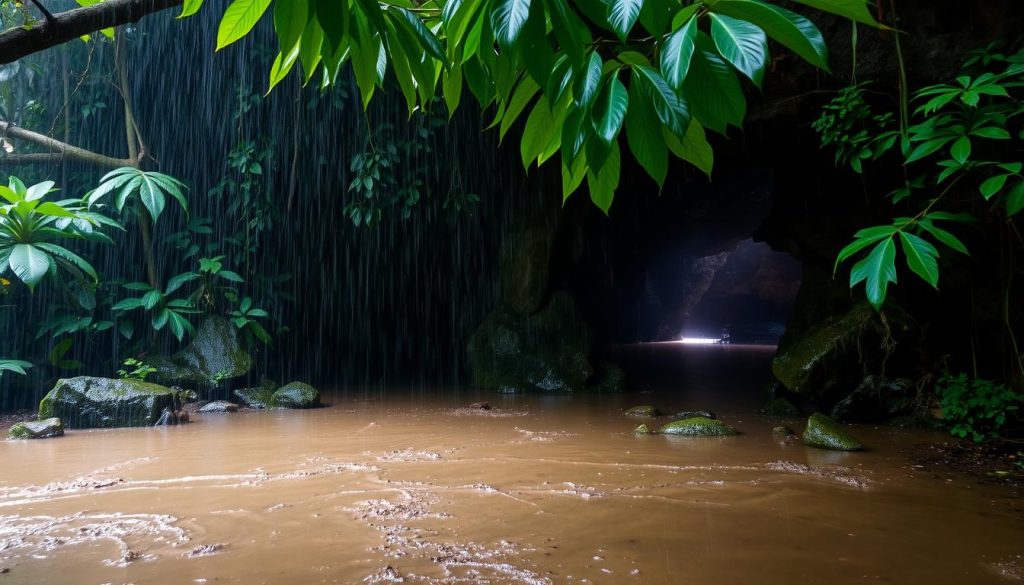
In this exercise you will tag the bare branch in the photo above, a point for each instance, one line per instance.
(59, 149)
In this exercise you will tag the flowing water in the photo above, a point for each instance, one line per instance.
(539, 489)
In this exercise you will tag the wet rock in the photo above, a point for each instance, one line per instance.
(643, 410)
(37, 429)
(781, 407)
(783, 431)
(698, 426)
(170, 417)
(825, 433)
(86, 402)
(214, 354)
(543, 352)
(481, 405)
(218, 406)
(834, 354)
(524, 270)
(643, 430)
(696, 413)
(876, 399)
(257, 397)
(296, 395)
(611, 378)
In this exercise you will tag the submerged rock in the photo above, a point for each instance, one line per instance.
(257, 397)
(481, 405)
(643, 410)
(875, 399)
(783, 431)
(698, 426)
(825, 433)
(85, 402)
(37, 429)
(218, 406)
(296, 395)
(643, 430)
(214, 354)
(696, 413)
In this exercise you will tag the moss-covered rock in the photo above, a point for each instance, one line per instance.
(698, 426)
(214, 354)
(643, 430)
(257, 397)
(295, 395)
(696, 413)
(825, 433)
(219, 406)
(36, 429)
(824, 363)
(780, 407)
(783, 431)
(546, 351)
(86, 402)
(645, 410)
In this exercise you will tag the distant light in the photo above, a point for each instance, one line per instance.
(700, 340)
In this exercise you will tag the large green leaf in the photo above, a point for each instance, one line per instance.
(570, 32)
(877, 270)
(693, 147)
(507, 20)
(151, 196)
(647, 146)
(670, 108)
(68, 256)
(29, 264)
(588, 83)
(239, 18)
(333, 17)
(610, 109)
(678, 50)
(290, 19)
(714, 93)
(190, 7)
(603, 182)
(742, 44)
(852, 9)
(922, 257)
(622, 15)
(788, 28)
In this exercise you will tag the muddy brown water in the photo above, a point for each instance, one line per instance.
(540, 489)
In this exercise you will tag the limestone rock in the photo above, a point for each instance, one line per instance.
(698, 426)
(296, 395)
(85, 402)
(825, 433)
(37, 429)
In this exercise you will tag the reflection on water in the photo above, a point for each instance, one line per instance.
(540, 489)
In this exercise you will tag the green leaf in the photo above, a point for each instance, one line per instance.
(190, 7)
(670, 108)
(876, 270)
(290, 19)
(239, 18)
(622, 15)
(29, 263)
(603, 182)
(742, 44)
(69, 257)
(852, 9)
(944, 236)
(541, 128)
(647, 146)
(151, 196)
(507, 20)
(589, 82)
(714, 93)
(610, 109)
(693, 148)
(282, 66)
(788, 28)
(426, 39)
(678, 50)
(309, 48)
(570, 32)
(1015, 199)
(922, 257)
(961, 149)
(992, 185)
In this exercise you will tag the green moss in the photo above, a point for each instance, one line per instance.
(296, 395)
(698, 426)
(795, 365)
(86, 402)
(257, 397)
(37, 429)
(825, 433)
(643, 410)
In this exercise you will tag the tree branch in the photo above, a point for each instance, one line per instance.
(18, 42)
(60, 150)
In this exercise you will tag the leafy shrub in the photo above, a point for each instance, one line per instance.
(975, 407)
(138, 372)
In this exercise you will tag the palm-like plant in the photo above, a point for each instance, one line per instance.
(30, 226)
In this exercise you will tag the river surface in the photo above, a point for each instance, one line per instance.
(539, 489)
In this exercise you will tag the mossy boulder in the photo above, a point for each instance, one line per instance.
(37, 429)
(547, 351)
(645, 410)
(824, 363)
(696, 413)
(295, 395)
(698, 426)
(825, 433)
(257, 397)
(214, 354)
(86, 402)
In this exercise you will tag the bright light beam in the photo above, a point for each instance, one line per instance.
(699, 340)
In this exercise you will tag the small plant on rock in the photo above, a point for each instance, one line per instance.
(139, 370)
